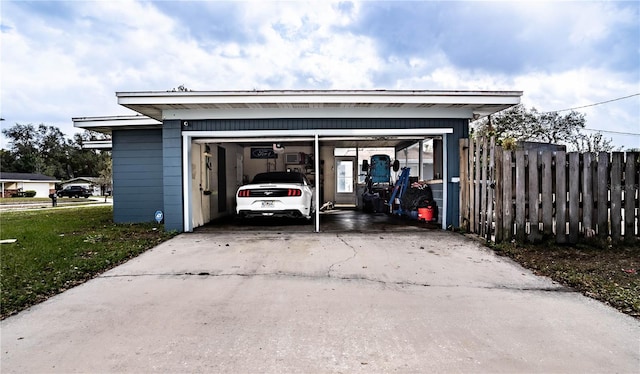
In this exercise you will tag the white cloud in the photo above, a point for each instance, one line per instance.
(55, 67)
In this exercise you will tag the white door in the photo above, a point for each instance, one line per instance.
(346, 178)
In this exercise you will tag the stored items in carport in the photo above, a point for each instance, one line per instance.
(376, 197)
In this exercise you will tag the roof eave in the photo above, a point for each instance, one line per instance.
(106, 124)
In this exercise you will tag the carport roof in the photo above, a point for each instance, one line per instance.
(318, 104)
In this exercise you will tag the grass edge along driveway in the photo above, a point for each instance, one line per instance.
(59, 249)
(606, 272)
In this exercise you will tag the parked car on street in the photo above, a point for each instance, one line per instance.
(74, 191)
(276, 194)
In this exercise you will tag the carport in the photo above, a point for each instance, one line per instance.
(331, 138)
(191, 150)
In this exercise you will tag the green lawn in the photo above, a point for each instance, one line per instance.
(58, 249)
(45, 201)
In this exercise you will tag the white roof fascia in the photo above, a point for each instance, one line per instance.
(321, 97)
(114, 121)
(97, 144)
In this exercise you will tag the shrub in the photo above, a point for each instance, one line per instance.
(29, 193)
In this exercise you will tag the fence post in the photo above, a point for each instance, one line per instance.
(490, 183)
(521, 194)
(547, 193)
(464, 184)
(507, 197)
(630, 198)
(616, 195)
(561, 197)
(587, 195)
(483, 189)
(603, 194)
(574, 196)
(533, 197)
(499, 192)
(472, 187)
(637, 184)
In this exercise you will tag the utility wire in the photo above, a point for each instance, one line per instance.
(613, 132)
(600, 103)
(594, 104)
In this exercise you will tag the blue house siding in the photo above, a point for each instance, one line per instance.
(172, 175)
(137, 175)
(324, 123)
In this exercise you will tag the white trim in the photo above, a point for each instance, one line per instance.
(445, 182)
(320, 97)
(326, 112)
(318, 104)
(316, 160)
(321, 133)
(420, 160)
(251, 140)
(115, 121)
(186, 184)
(97, 144)
(297, 135)
(285, 139)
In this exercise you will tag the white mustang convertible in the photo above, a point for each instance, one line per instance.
(276, 194)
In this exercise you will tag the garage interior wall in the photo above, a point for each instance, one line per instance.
(206, 179)
(234, 159)
(200, 178)
(255, 166)
(327, 164)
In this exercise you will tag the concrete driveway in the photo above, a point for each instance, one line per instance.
(320, 303)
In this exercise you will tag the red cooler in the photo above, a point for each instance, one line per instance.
(425, 214)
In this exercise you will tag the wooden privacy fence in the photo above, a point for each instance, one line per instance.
(535, 194)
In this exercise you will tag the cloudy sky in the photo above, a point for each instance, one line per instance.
(64, 59)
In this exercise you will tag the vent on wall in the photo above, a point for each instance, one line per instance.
(294, 158)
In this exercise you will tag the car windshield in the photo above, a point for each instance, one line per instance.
(279, 177)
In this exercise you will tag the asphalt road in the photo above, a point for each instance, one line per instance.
(251, 302)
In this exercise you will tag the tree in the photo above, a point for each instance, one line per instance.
(45, 150)
(515, 122)
(23, 149)
(594, 142)
(105, 178)
(555, 128)
(180, 88)
(87, 162)
(519, 124)
(54, 150)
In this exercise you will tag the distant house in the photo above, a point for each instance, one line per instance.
(12, 184)
(90, 183)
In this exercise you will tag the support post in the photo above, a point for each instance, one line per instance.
(316, 161)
